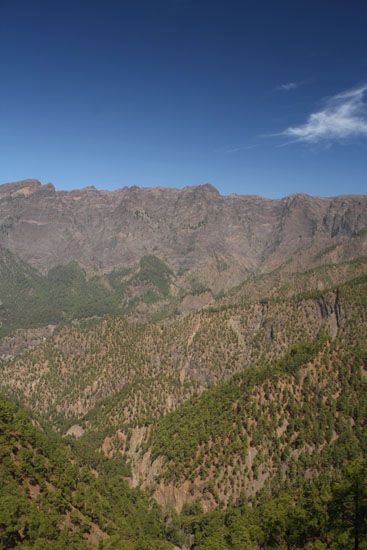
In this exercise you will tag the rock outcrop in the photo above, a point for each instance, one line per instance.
(217, 238)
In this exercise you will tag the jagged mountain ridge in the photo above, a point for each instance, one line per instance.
(153, 252)
(220, 238)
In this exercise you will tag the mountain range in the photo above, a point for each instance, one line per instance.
(220, 238)
(204, 354)
(119, 251)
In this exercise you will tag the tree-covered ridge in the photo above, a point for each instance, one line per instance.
(156, 366)
(328, 512)
(141, 390)
(115, 375)
(281, 284)
(30, 299)
(267, 426)
(50, 499)
(77, 368)
(149, 291)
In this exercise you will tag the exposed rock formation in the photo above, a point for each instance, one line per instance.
(219, 238)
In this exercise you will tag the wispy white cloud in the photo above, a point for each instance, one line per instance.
(289, 86)
(343, 116)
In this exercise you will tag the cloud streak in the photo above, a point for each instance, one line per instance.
(343, 116)
(289, 86)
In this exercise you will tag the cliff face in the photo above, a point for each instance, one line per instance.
(219, 238)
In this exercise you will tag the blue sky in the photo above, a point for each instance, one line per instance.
(257, 97)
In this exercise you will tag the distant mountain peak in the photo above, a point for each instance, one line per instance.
(219, 238)
(203, 187)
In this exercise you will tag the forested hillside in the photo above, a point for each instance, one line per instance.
(213, 404)
(30, 299)
(329, 512)
(260, 430)
(49, 498)
(156, 366)
(194, 380)
(66, 293)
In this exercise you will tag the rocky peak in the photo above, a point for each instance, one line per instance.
(23, 187)
(218, 237)
(205, 189)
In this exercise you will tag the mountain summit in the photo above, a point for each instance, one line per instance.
(220, 238)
